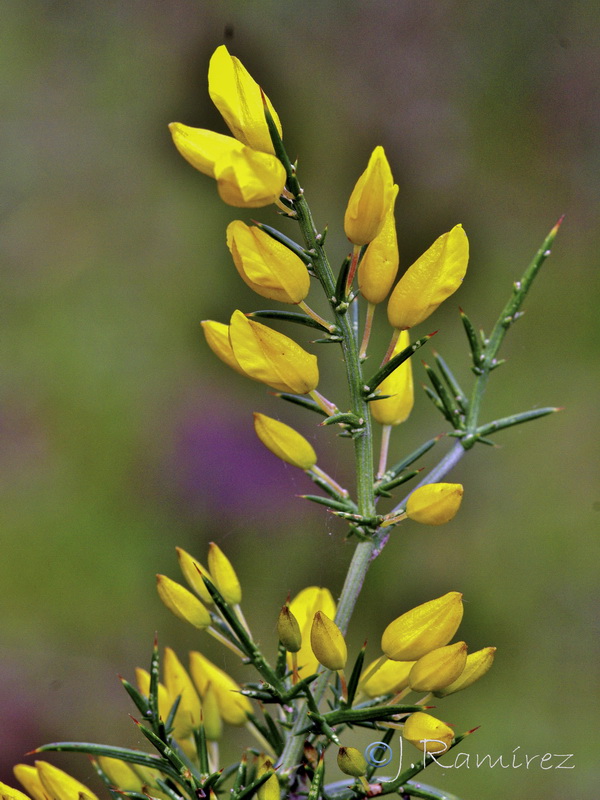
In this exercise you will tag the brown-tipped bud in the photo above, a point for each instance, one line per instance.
(423, 628)
(439, 668)
(270, 789)
(327, 642)
(352, 762)
(288, 630)
(477, 665)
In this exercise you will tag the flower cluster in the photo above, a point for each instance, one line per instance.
(184, 710)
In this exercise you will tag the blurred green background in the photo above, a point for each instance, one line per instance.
(122, 436)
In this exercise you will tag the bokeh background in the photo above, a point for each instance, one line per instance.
(122, 436)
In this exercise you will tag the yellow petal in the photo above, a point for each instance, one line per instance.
(238, 97)
(477, 665)
(327, 642)
(423, 628)
(193, 571)
(433, 277)
(60, 786)
(223, 575)
(268, 267)
(202, 148)
(284, 442)
(142, 678)
(234, 707)
(270, 788)
(11, 794)
(370, 200)
(217, 338)
(211, 716)
(182, 602)
(438, 668)
(304, 607)
(435, 503)
(396, 408)
(271, 357)
(29, 778)
(390, 678)
(245, 178)
(379, 265)
(249, 179)
(427, 733)
(121, 774)
(179, 683)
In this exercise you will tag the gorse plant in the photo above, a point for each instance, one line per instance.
(306, 699)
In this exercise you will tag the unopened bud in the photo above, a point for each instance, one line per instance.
(182, 602)
(477, 665)
(437, 669)
(284, 442)
(327, 642)
(435, 503)
(352, 762)
(390, 678)
(427, 733)
(223, 575)
(288, 630)
(423, 628)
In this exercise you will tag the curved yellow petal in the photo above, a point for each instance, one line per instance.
(238, 97)
(396, 408)
(433, 277)
(284, 442)
(271, 357)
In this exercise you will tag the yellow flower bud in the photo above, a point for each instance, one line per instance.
(327, 642)
(60, 786)
(430, 280)
(271, 357)
(217, 338)
(477, 665)
(233, 706)
(211, 716)
(268, 267)
(390, 678)
(121, 774)
(179, 683)
(270, 789)
(438, 668)
(223, 575)
(370, 200)
(303, 607)
(193, 571)
(351, 762)
(182, 602)
(396, 408)
(434, 503)
(142, 678)
(29, 778)
(284, 442)
(238, 97)
(288, 630)
(427, 733)
(423, 628)
(379, 266)
(8, 793)
(245, 178)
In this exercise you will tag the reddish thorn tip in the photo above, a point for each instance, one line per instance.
(472, 730)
